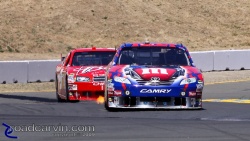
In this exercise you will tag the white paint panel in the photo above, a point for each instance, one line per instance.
(43, 70)
(239, 60)
(231, 59)
(203, 60)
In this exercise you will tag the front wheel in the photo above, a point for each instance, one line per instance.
(59, 99)
(106, 100)
(106, 95)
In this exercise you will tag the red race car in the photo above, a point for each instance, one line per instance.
(81, 74)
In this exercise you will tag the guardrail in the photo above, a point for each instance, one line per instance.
(44, 70)
(27, 71)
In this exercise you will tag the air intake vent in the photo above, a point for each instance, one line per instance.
(99, 78)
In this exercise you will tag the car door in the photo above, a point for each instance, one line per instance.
(62, 77)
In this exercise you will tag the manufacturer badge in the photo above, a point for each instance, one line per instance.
(155, 79)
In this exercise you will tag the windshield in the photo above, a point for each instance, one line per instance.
(153, 56)
(92, 58)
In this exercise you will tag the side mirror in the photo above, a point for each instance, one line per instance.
(62, 58)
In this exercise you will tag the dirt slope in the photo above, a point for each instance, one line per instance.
(51, 27)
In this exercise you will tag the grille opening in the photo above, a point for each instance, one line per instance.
(143, 82)
(99, 78)
(169, 101)
(180, 101)
(89, 94)
(128, 101)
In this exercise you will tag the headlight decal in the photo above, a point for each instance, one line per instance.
(188, 81)
(82, 79)
(71, 78)
(121, 80)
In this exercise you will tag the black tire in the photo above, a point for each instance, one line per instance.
(106, 95)
(106, 101)
(67, 89)
(57, 95)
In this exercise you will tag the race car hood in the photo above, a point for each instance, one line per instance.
(164, 73)
(87, 70)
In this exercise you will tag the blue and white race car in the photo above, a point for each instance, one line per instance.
(153, 75)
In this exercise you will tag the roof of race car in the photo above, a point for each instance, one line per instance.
(148, 44)
(93, 49)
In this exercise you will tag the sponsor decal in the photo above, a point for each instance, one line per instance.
(117, 92)
(71, 78)
(192, 93)
(96, 74)
(72, 87)
(88, 69)
(154, 71)
(98, 83)
(155, 90)
(110, 85)
(110, 92)
(111, 89)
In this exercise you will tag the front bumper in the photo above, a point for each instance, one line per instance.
(157, 103)
(155, 97)
(86, 86)
(85, 90)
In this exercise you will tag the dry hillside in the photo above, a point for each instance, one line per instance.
(49, 27)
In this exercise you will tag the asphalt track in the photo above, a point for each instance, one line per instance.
(225, 117)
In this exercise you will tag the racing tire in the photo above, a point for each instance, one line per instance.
(106, 101)
(106, 97)
(67, 89)
(59, 99)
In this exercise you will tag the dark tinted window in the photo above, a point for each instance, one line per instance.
(92, 58)
(153, 56)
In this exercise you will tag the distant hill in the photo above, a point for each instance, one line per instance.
(56, 26)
